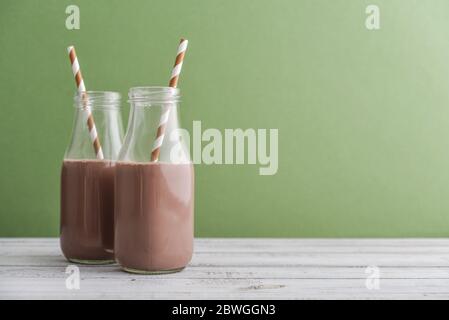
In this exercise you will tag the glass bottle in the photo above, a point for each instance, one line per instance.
(87, 180)
(154, 199)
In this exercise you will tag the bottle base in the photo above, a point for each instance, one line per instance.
(91, 262)
(152, 272)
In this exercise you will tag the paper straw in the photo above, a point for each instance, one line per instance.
(166, 110)
(82, 90)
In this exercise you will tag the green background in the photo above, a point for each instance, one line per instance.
(363, 116)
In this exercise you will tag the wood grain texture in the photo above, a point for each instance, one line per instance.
(241, 269)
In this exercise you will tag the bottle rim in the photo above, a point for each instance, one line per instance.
(97, 100)
(149, 95)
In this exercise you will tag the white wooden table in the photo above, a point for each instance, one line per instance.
(243, 269)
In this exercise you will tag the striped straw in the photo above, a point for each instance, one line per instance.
(166, 111)
(82, 89)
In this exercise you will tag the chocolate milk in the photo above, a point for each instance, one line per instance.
(154, 216)
(87, 210)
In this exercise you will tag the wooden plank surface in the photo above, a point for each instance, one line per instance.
(242, 269)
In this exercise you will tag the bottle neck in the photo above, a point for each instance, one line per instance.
(99, 117)
(97, 100)
(144, 134)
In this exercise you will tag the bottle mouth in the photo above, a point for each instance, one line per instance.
(154, 95)
(97, 99)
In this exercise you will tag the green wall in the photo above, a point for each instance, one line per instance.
(363, 116)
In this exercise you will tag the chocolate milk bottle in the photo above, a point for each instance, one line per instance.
(87, 180)
(154, 198)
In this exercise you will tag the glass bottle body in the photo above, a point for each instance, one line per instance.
(154, 199)
(87, 180)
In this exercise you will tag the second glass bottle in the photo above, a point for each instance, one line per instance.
(154, 197)
(87, 182)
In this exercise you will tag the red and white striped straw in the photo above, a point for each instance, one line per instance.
(166, 111)
(82, 89)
